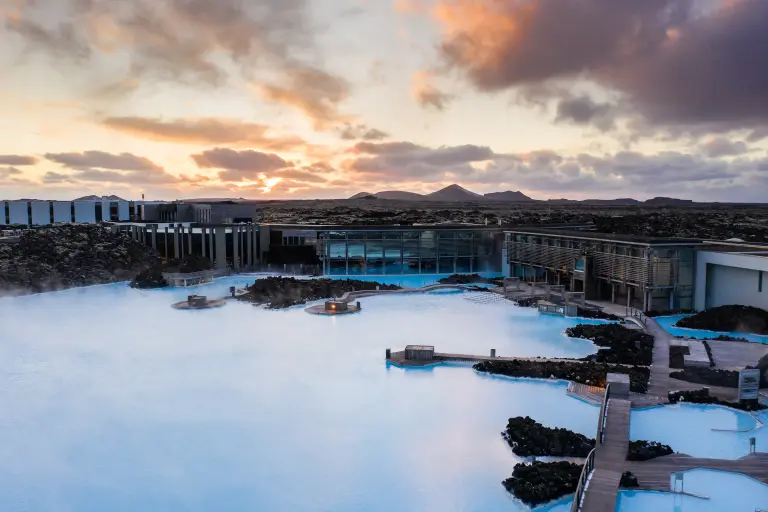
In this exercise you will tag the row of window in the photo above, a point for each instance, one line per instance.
(408, 235)
(379, 266)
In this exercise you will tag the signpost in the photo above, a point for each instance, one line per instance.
(749, 384)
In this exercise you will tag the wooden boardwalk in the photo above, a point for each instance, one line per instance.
(656, 474)
(594, 395)
(398, 357)
(610, 459)
(659, 382)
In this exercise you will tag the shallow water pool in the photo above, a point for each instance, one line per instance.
(668, 323)
(727, 492)
(114, 401)
(688, 428)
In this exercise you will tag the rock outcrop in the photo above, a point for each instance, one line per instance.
(70, 255)
(647, 450)
(284, 292)
(733, 318)
(623, 346)
(530, 438)
(590, 373)
(540, 482)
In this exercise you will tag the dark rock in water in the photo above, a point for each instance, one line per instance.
(540, 482)
(647, 450)
(729, 319)
(597, 314)
(589, 372)
(153, 277)
(628, 480)
(702, 396)
(466, 279)
(284, 292)
(625, 346)
(709, 376)
(529, 438)
(149, 279)
(70, 255)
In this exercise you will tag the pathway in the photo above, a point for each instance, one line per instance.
(603, 487)
(659, 382)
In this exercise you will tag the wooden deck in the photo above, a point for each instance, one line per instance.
(656, 474)
(440, 357)
(594, 395)
(610, 459)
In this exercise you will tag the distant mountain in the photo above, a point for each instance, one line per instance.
(668, 201)
(363, 195)
(399, 195)
(100, 198)
(454, 193)
(509, 195)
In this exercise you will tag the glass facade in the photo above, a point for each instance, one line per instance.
(410, 252)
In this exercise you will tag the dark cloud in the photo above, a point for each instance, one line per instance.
(721, 146)
(7, 172)
(584, 111)
(405, 160)
(316, 173)
(675, 61)
(102, 160)
(17, 160)
(56, 177)
(207, 130)
(239, 165)
(361, 132)
(193, 42)
(99, 166)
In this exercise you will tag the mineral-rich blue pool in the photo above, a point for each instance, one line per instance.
(727, 492)
(114, 401)
(668, 323)
(699, 430)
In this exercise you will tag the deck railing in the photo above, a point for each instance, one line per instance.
(636, 313)
(603, 416)
(589, 465)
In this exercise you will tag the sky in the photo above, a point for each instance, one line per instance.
(296, 99)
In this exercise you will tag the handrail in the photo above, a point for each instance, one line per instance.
(589, 465)
(636, 313)
(603, 414)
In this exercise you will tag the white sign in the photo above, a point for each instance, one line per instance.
(749, 384)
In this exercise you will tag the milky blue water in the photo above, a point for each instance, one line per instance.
(668, 322)
(688, 428)
(111, 400)
(727, 492)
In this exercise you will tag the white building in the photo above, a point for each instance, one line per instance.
(41, 213)
(731, 273)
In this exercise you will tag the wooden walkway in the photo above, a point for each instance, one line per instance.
(656, 474)
(603, 487)
(659, 382)
(398, 357)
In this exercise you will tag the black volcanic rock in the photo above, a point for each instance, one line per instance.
(284, 292)
(153, 276)
(528, 438)
(708, 376)
(647, 450)
(540, 482)
(702, 396)
(70, 255)
(733, 318)
(628, 480)
(624, 346)
(590, 373)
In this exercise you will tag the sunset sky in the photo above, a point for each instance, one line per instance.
(275, 99)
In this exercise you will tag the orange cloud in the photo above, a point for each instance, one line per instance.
(206, 130)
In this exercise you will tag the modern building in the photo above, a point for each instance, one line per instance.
(647, 273)
(731, 273)
(42, 213)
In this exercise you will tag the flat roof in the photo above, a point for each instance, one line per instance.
(384, 227)
(612, 237)
(420, 347)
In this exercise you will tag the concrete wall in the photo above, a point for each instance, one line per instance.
(62, 211)
(17, 212)
(41, 213)
(123, 210)
(85, 211)
(728, 278)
